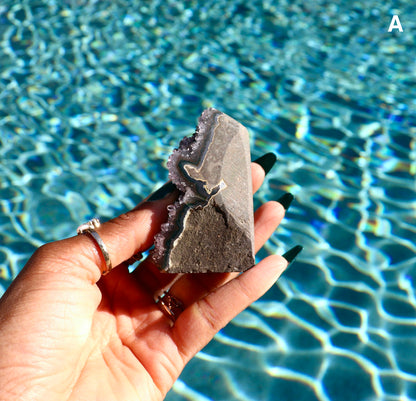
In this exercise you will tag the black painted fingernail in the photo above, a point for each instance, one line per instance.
(266, 161)
(285, 200)
(162, 192)
(291, 254)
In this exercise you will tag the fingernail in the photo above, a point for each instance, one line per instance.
(162, 192)
(285, 200)
(291, 254)
(266, 161)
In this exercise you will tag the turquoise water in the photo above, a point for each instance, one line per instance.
(94, 96)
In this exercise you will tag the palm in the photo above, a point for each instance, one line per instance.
(137, 339)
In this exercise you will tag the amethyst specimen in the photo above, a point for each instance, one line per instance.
(210, 227)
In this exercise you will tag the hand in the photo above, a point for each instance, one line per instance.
(69, 334)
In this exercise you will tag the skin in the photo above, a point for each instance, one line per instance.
(69, 334)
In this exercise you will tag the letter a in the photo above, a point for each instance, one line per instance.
(395, 24)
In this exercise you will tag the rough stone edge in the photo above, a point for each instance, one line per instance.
(189, 149)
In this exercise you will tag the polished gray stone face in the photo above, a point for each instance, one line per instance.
(210, 228)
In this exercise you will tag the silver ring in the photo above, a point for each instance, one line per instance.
(170, 306)
(89, 229)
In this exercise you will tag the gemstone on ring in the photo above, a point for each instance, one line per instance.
(170, 306)
(89, 225)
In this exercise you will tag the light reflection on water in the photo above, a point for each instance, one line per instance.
(94, 96)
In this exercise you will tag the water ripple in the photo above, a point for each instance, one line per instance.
(94, 96)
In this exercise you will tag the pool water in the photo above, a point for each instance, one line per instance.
(96, 94)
